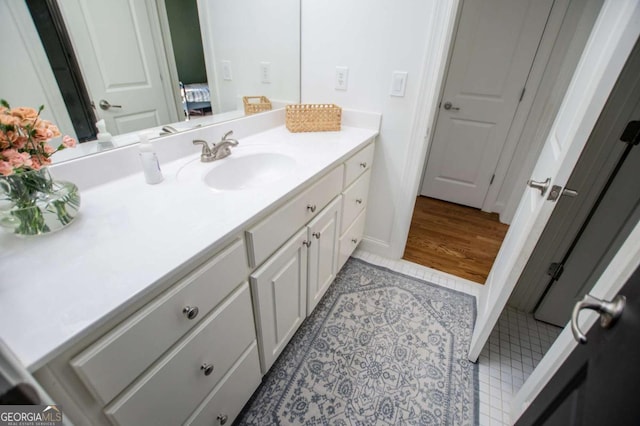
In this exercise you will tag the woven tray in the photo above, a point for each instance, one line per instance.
(313, 117)
(255, 104)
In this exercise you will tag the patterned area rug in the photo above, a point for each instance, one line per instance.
(380, 348)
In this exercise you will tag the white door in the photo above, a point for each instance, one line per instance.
(279, 290)
(323, 252)
(115, 43)
(494, 49)
(612, 38)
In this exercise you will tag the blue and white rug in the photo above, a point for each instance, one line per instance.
(380, 348)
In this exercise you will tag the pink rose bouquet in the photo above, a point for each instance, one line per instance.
(24, 139)
(31, 201)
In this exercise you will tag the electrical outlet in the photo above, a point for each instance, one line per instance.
(226, 70)
(265, 72)
(342, 78)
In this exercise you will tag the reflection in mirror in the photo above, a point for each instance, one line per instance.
(146, 64)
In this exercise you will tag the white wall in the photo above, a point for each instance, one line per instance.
(26, 78)
(372, 38)
(246, 33)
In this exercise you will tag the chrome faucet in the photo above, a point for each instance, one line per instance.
(219, 150)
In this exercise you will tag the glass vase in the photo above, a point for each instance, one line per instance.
(33, 203)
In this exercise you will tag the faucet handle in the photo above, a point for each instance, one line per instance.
(232, 142)
(206, 151)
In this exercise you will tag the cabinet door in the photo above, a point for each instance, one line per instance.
(279, 290)
(323, 252)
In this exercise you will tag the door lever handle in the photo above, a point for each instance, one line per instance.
(542, 186)
(449, 106)
(105, 105)
(609, 313)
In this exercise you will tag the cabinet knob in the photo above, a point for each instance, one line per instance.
(190, 311)
(311, 207)
(354, 240)
(363, 164)
(207, 368)
(358, 200)
(222, 418)
(307, 243)
(317, 235)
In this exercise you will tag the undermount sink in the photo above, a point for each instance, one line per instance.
(249, 171)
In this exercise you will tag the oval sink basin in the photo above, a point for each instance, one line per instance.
(250, 171)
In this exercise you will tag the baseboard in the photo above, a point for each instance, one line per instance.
(376, 246)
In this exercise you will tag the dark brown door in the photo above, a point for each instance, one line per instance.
(597, 385)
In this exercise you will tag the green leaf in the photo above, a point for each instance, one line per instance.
(4, 103)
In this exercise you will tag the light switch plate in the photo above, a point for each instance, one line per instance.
(342, 78)
(226, 70)
(398, 83)
(265, 72)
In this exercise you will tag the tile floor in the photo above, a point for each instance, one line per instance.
(515, 346)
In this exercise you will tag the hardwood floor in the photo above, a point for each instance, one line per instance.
(460, 240)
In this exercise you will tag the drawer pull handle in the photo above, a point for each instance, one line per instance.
(307, 243)
(358, 200)
(207, 368)
(317, 235)
(222, 418)
(363, 164)
(354, 240)
(190, 311)
(311, 208)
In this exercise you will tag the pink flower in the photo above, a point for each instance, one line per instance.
(6, 169)
(68, 141)
(48, 149)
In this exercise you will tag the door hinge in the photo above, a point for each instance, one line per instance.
(524, 89)
(631, 133)
(555, 270)
(492, 178)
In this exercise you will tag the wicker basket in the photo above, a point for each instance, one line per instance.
(313, 117)
(255, 104)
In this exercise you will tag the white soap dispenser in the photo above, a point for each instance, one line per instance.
(149, 159)
(105, 140)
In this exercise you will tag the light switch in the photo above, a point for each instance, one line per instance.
(398, 83)
(265, 72)
(342, 78)
(226, 70)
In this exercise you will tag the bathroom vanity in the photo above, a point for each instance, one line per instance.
(175, 299)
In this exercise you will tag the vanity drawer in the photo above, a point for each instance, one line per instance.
(174, 386)
(225, 402)
(265, 238)
(115, 360)
(359, 163)
(351, 238)
(354, 200)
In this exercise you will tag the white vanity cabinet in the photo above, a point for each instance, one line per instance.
(160, 363)
(194, 351)
(323, 234)
(279, 289)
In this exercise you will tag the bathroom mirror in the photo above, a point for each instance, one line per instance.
(146, 64)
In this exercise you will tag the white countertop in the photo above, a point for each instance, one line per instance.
(131, 237)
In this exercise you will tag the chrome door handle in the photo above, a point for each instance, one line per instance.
(311, 208)
(609, 313)
(542, 186)
(571, 193)
(190, 312)
(449, 106)
(307, 243)
(105, 105)
(317, 235)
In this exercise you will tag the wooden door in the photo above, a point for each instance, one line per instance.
(279, 289)
(610, 43)
(494, 49)
(120, 61)
(596, 384)
(323, 232)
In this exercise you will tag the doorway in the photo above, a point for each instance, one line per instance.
(499, 185)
